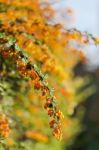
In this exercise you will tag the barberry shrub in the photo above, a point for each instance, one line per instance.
(36, 58)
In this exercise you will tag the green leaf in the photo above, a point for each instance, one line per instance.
(2, 34)
(17, 48)
(3, 7)
(11, 42)
(38, 42)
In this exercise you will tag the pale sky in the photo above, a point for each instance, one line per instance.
(86, 13)
(86, 19)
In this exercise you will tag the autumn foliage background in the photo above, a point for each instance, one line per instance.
(48, 97)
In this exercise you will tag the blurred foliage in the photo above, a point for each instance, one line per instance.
(34, 57)
(87, 138)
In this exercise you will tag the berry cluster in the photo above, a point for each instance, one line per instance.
(27, 69)
(4, 126)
